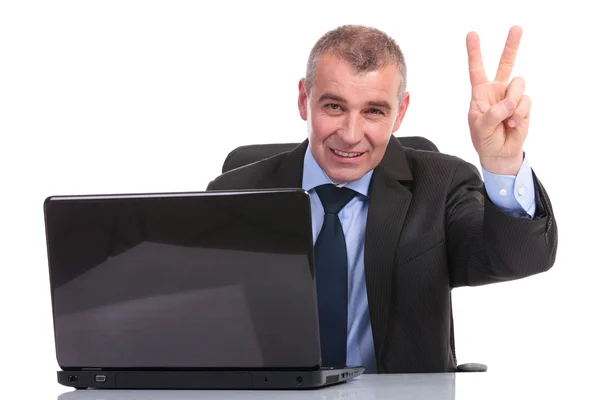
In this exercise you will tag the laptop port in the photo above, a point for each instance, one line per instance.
(72, 378)
(100, 378)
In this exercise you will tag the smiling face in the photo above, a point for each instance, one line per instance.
(351, 116)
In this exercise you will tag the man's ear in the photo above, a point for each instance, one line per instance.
(401, 111)
(302, 99)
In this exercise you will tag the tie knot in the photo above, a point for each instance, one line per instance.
(334, 198)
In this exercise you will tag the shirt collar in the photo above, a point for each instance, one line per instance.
(314, 176)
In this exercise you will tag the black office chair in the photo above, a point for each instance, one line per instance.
(248, 154)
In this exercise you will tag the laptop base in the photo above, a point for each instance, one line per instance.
(207, 379)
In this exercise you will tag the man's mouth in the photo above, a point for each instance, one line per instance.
(346, 154)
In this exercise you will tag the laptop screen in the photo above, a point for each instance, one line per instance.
(215, 280)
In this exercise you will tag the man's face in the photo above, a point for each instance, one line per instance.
(350, 116)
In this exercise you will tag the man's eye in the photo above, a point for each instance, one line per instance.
(334, 107)
(375, 111)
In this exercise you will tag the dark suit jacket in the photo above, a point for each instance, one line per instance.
(430, 228)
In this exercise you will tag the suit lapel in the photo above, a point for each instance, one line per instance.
(289, 173)
(389, 200)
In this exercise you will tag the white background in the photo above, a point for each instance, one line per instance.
(144, 96)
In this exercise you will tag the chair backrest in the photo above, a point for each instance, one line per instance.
(248, 154)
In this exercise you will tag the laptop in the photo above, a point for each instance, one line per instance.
(196, 290)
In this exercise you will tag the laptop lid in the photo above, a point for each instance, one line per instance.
(208, 280)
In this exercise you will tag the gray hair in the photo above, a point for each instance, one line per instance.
(364, 48)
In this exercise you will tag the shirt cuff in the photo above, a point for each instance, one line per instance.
(515, 195)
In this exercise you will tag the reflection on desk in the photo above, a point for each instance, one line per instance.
(367, 387)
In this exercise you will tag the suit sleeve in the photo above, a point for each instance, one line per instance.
(485, 244)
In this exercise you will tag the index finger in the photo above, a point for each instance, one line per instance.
(507, 61)
(476, 68)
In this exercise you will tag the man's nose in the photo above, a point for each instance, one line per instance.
(352, 131)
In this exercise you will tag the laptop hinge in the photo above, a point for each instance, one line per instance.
(91, 369)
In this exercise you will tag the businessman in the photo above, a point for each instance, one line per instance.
(396, 229)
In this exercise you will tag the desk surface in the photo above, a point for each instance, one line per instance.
(416, 387)
(478, 386)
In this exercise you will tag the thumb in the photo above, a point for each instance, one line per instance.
(497, 113)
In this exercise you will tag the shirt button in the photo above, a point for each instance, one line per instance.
(502, 192)
(521, 191)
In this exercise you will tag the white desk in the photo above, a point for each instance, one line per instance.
(416, 387)
(476, 386)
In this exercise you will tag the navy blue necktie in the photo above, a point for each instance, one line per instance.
(332, 276)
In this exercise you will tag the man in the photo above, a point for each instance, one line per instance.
(414, 224)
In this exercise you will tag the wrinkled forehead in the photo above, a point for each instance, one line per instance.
(336, 76)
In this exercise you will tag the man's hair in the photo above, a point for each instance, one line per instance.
(364, 48)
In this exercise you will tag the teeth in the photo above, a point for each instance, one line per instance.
(341, 153)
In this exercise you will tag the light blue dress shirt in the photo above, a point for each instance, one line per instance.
(514, 195)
